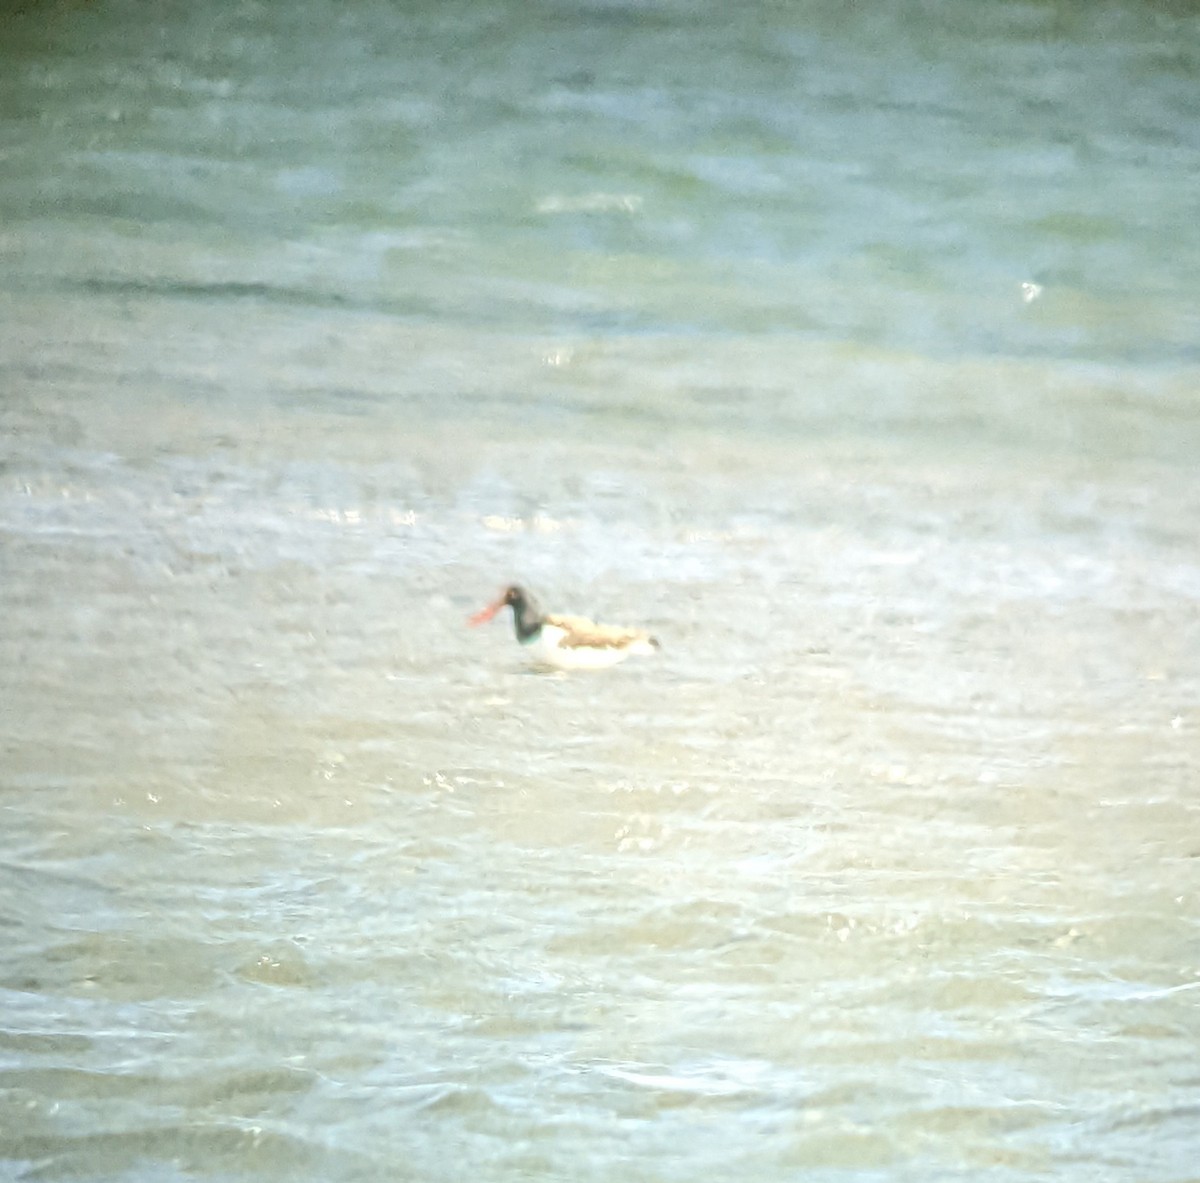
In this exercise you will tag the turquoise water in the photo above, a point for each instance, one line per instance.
(885, 175)
(851, 349)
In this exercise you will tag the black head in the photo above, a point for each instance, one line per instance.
(527, 613)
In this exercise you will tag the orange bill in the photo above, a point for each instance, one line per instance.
(486, 614)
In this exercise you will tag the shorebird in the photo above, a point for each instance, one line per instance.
(566, 642)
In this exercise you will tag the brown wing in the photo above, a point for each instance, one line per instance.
(581, 633)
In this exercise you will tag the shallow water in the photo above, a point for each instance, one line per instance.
(318, 324)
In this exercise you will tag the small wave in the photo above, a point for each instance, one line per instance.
(211, 290)
(590, 203)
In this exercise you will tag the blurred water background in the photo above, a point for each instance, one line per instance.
(853, 348)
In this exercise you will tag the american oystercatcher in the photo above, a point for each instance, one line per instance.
(566, 642)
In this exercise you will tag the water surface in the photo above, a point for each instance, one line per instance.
(853, 351)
